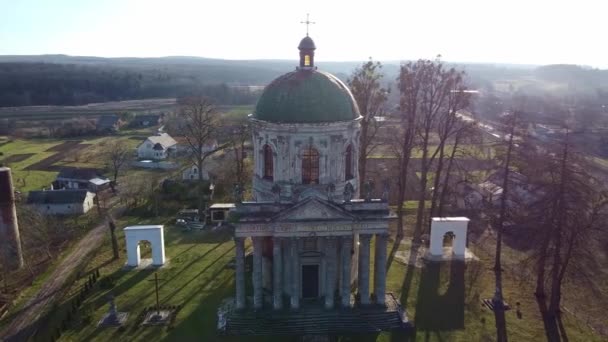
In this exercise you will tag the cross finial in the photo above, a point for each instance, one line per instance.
(307, 22)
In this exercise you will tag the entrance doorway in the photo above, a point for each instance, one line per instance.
(310, 281)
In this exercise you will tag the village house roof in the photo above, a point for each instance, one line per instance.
(164, 139)
(57, 196)
(79, 173)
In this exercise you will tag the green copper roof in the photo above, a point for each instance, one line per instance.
(306, 96)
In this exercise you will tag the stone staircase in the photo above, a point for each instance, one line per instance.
(312, 319)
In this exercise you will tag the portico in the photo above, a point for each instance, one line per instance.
(314, 245)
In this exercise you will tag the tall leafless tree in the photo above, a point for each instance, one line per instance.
(439, 87)
(371, 98)
(200, 126)
(116, 155)
(402, 136)
(238, 139)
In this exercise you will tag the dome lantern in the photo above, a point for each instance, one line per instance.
(307, 53)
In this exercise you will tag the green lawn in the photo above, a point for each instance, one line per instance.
(25, 180)
(444, 300)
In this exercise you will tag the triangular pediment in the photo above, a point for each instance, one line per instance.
(313, 209)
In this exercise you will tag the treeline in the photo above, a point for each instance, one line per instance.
(27, 84)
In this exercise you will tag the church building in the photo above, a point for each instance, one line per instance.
(310, 232)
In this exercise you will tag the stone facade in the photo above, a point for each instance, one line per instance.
(288, 141)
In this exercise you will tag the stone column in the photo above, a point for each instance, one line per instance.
(286, 266)
(240, 272)
(295, 274)
(364, 268)
(331, 259)
(347, 243)
(257, 273)
(380, 269)
(277, 267)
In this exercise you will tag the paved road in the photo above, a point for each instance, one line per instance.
(23, 325)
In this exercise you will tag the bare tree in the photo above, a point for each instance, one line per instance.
(371, 99)
(113, 238)
(402, 137)
(238, 139)
(200, 127)
(116, 155)
(440, 93)
(450, 126)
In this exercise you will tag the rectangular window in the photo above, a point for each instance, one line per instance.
(306, 60)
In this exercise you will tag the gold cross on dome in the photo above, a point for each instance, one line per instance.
(307, 22)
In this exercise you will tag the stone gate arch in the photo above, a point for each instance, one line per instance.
(440, 226)
(153, 234)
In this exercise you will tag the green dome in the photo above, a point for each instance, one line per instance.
(306, 96)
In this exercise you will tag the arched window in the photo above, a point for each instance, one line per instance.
(268, 163)
(348, 163)
(310, 166)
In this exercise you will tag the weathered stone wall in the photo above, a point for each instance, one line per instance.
(288, 141)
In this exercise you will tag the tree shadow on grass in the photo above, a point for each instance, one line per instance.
(552, 331)
(439, 312)
(391, 255)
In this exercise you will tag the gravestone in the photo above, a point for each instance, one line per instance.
(113, 318)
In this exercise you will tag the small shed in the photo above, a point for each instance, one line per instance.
(219, 211)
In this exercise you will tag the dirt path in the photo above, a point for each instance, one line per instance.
(23, 325)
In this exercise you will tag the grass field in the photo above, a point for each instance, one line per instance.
(21, 154)
(444, 300)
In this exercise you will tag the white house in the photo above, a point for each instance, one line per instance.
(62, 202)
(157, 147)
(191, 173)
(80, 178)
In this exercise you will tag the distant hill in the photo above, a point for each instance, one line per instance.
(77, 80)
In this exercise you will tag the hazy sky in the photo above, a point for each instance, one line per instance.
(509, 31)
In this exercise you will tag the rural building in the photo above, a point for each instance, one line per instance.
(62, 202)
(219, 211)
(148, 120)
(191, 173)
(109, 124)
(157, 147)
(81, 178)
(310, 233)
